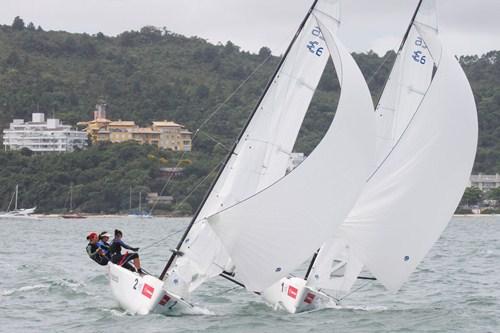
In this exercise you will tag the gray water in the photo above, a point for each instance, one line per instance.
(48, 284)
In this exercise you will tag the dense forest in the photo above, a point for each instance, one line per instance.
(155, 74)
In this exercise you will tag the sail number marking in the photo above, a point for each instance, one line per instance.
(314, 46)
(135, 284)
(417, 55)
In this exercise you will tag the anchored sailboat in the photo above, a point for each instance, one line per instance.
(18, 213)
(257, 223)
(71, 214)
(426, 143)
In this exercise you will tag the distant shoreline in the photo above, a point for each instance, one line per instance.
(188, 216)
(107, 216)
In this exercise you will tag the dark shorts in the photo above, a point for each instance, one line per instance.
(123, 258)
(103, 261)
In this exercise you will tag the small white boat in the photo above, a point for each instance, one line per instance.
(139, 213)
(18, 213)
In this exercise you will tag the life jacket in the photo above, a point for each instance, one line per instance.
(105, 247)
(94, 255)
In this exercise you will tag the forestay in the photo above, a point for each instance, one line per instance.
(262, 154)
(411, 197)
(273, 232)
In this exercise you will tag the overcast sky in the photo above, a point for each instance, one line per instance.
(467, 26)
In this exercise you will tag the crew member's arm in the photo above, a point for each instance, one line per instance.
(128, 247)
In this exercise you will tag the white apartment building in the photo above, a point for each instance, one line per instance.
(42, 136)
(485, 182)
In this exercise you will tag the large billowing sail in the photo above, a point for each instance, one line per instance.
(405, 89)
(411, 196)
(261, 156)
(273, 232)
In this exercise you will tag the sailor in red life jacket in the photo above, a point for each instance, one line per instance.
(93, 250)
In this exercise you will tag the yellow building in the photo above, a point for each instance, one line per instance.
(95, 128)
(173, 136)
(164, 134)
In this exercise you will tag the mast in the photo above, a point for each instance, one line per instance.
(205, 198)
(71, 197)
(140, 199)
(403, 42)
(405, 37)
(130, 199)
(407, 33)
(17, 191)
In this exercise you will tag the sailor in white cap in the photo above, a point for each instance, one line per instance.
(103, 243)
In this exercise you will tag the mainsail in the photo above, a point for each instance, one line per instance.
(426, 148)
(271, 233)
(261, 155)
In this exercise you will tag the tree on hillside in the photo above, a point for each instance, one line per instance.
(264, 52)
(18, 23)
(472, 196)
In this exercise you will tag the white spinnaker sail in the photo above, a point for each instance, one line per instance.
(405, 89)
(272, 233)
(261, 156)
(410, 199)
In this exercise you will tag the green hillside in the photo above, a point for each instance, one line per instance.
(155, 74)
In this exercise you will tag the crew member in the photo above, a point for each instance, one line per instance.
(123, 259)
(103, 243)
(93, 250)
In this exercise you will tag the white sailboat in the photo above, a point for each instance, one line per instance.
(18, 213)
(140, 213)
(71, 214)
(426, 143)
(257, 223)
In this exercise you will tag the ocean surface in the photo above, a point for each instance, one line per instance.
(49, 284)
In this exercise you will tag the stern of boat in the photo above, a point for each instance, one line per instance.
(143, 294)
(293, 295)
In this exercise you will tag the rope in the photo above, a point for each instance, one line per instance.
(352, 291)
(182, 202)
(203, 123)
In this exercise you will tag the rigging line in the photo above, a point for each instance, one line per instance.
(169, 180)
(203, 123)
(353, 291)
(243, 130)
(198, 185)
(179, 204)
(210, 116)
(162, 239)
(215, 140)
(219, 107)
(384, 61)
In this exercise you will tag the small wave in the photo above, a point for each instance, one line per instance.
(116, 312)
(198, 310)
(368, 308)
(25, 289)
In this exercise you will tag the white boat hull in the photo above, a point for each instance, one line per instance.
(144, 294)
(294, 296)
